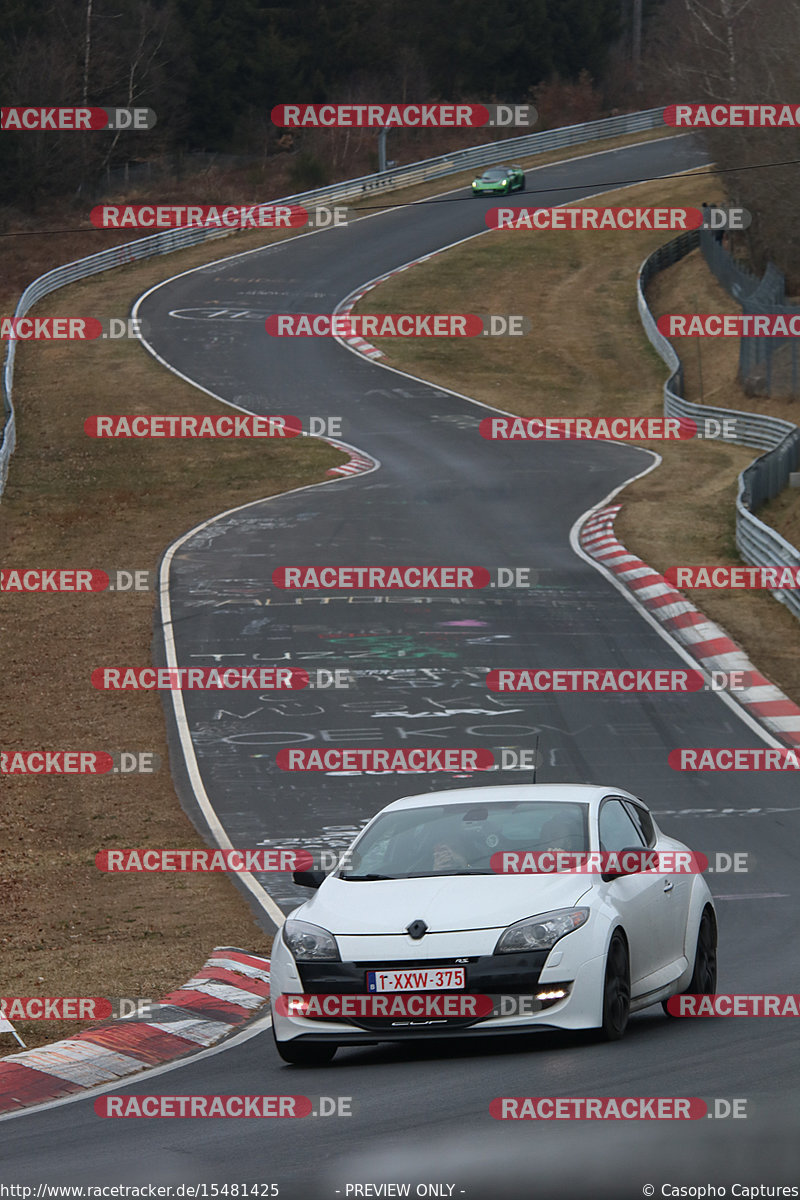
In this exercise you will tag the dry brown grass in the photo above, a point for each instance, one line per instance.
(587, 355)
(68, 929)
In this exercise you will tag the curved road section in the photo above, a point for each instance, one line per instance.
(441, 496)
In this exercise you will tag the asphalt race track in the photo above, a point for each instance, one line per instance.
(442, 495)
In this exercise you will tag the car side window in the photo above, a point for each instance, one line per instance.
(643, 822)
(617, 830)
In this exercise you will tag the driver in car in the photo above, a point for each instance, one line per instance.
(560, 833)
(448, 858)
(457, 849)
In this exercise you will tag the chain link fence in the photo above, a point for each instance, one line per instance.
(768, 366)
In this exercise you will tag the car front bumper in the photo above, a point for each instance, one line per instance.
(506, 975)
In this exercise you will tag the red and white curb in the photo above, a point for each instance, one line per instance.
(359, 344)
(225, 994)
(355, 464)
(703, 639)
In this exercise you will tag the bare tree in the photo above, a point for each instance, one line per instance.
(698, 46)
(741, 51)
(715, 27)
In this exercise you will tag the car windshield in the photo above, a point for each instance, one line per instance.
(495, 174)
(460, 839)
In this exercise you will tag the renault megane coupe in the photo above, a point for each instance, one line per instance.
(426, 929)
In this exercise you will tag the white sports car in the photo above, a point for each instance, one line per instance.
(416, 934)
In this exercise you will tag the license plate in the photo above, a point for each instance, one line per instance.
(430, 979)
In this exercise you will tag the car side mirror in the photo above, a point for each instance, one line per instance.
(618, 872)
(309, 879)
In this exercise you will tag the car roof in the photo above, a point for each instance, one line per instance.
(566, 793)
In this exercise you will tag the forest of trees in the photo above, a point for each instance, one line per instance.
(745, 51)
(213, 69)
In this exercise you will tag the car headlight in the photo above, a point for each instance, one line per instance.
(541, 932)
(310, 943)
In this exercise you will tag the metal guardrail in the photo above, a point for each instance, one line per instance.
(767, 475)
(115, 256)
(420, 172)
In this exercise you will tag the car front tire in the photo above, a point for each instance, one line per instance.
(304, 1054)
(616, 990)
(704, 972)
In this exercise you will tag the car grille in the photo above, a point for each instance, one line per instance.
(490, 974)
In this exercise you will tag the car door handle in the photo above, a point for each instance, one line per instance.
(668, 885)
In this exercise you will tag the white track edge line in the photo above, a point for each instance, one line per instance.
(574, 537)
(253, 1029)
(740, 712)
(257, 890)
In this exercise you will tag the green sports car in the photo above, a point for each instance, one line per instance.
(499, 181)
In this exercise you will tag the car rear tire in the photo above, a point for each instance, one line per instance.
(522, 183)
(616, 990)
(704, 972)
(304, 1054)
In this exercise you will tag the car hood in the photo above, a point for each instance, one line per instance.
(445, 903)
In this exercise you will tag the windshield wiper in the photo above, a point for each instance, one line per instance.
(367, 878)
(445, 873)
(473, 871)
